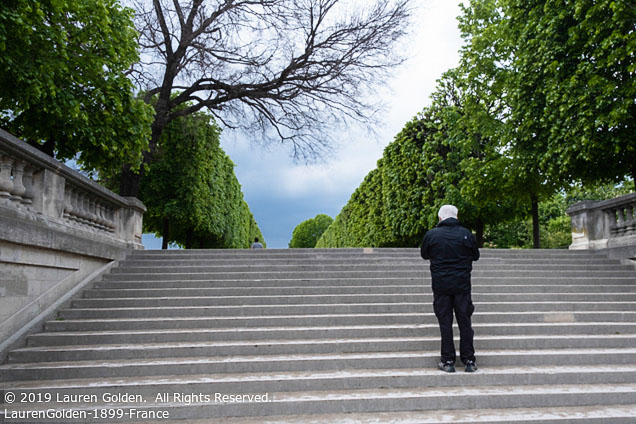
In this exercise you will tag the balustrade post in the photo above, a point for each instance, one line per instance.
(613, 220)
(92, 216)
(6, 183)
(631, 221)
(18, 186)
(68, 203)
(100, 217)
(27, 179)
(82, 201)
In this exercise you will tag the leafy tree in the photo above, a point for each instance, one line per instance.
(191, 192)
(360, 223)
(282, 69)
(404, 184)
(562, 72)
(307, 233)
(62, 80)
(488, 67)
(574, 73)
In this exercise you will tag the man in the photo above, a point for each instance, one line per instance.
(257, 244)
(451, 250)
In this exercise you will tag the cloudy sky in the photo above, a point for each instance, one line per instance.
(281, 193)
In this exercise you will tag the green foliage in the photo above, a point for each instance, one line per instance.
(190, 187)
(555, 223)
(404, 184)
(63, 82)
(563, 72)
(427, 165)
(543, 98)
(307, 233)
(578, 58)
(361, 221)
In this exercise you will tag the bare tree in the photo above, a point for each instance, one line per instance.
(283, 69)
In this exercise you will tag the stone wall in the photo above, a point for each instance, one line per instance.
(608, 225)
(58, 231)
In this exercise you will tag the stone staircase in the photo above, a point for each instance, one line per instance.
(334, 336)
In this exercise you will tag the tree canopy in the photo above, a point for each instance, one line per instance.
(575, 78)
(63, 85)
(191, 192)
(307, 233)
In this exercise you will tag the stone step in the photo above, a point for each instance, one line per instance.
(612, 414)
(355, 252)
(160, 268)
(280, 275)
(597, 414)
(343, 335)
(539, 268)
(383, 400)
(304, 362)
(559, 323)
(321, 380)
(327, 299)
(104, 292)
(256, 334)
(339, 308)
(324, 345)
(170, 322)
(415, 250)
(362, 260)
(313, 282)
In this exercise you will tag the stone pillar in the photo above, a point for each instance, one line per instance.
(130, 220)
(48, 193)
(589, 229)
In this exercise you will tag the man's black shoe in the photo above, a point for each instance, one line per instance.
(446, 366)
(470, 366)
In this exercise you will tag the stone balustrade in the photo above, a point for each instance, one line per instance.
(606, 224)
(59, 231)
(33, 183)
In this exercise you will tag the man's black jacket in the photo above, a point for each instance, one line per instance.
(451, 250)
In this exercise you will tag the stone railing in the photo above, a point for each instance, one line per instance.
(44, 189)
(59, 231)
(605, 224)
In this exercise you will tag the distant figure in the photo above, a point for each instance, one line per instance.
(257, 244)
(451, 250)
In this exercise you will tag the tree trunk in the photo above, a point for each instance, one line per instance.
(536, 240)
(49, 147)
(480, 232)
(165, 233)
(129, 182)
(189, 237)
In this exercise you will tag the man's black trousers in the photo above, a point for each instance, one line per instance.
(462, 304)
